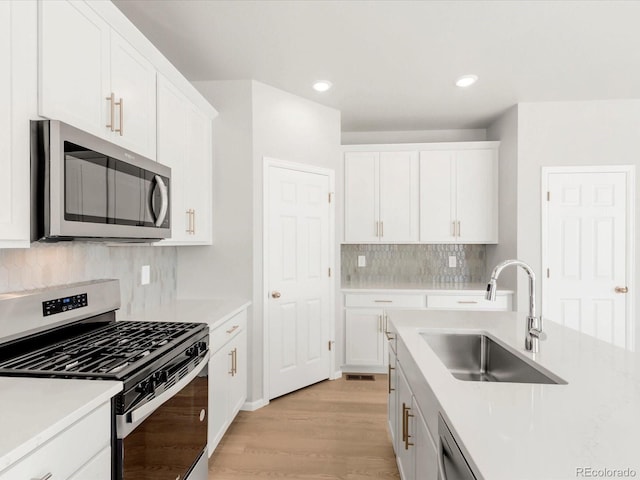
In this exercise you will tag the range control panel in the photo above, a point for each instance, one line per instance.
(64, 304)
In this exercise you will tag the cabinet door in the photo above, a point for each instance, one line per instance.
(405, 428)
(392, 406)
(364, 332)
(198, 177)
(399, 199)
(74, 65)
(238, 389)
(476, 196)
(133, 81)
(361, 187)
(437, 197)
(18, 91)
(426, 452)
(219, 395)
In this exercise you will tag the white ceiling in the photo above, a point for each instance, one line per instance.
(393, 63)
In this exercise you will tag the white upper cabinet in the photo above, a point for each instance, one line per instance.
(93, 79)
(381, 197)
(18, 91)
(184, 144)
(133, 83)
(459, 195)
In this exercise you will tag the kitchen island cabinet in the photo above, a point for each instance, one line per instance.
(591, 422)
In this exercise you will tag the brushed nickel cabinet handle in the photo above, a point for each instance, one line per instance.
(233, 329)
(111, 99)
(389, 379)
(377, 229)
(381, 229)
(383, 301)
(453, 229)
(121, 110)
(459, 230)
(47, 476)
(467, 301)
(193, 215)
(621, 289)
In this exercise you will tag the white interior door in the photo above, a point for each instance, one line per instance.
(297, 278)
(588, 254)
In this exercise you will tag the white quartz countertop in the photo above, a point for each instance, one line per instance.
(512, 431)
(211, 311)
(34, 410)
(412, 287)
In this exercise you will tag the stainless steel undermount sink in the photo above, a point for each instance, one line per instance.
(477, 357)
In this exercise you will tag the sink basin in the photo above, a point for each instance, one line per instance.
(477, 357)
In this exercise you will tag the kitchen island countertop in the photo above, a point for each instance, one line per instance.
(517, 431)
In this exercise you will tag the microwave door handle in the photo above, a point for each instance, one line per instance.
(140, 413)
(164, 195)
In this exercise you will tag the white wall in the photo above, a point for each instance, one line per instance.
(414, 136)
(255, 121)
(565, 134)
(505, 129)
(287, 127)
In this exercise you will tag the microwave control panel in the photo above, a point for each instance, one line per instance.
(64, 304)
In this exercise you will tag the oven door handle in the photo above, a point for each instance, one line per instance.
(145, 410)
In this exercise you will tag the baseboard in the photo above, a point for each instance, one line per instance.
(336, 375)
(255, 405)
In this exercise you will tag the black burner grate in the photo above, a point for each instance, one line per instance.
(105, 351)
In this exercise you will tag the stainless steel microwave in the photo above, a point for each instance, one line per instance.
(83, 187)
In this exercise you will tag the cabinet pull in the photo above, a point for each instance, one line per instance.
(404, 422)
(381, 229)
(407, 415)
(459, 234)
(233, 329)
(377, 229)
(233, 355)
(453, 229)
(383, 301)
(193, 227)
(121, 105)
(442, 474)
(47, 476)
(380, 323)
(111, 99)
(389, 378)
(467, 301)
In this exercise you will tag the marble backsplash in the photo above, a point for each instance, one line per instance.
(49, 264)
(413, 264)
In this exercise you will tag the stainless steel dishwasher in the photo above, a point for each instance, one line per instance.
(451, 463)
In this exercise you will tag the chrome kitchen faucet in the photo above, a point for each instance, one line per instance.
(533, 332)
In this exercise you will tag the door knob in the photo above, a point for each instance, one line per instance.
(621, 289)
(275, 294)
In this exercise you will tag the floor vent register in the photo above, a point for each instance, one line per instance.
(370, 378)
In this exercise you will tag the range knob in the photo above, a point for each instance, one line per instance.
(146, 387)
(161, 377)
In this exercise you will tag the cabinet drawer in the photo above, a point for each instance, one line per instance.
(229, 329)
(468, 302)
(68, 451)
(98, 468)
(384, 300)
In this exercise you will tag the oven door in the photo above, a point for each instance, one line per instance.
(166, 439)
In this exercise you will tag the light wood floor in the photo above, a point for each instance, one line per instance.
(331, 430)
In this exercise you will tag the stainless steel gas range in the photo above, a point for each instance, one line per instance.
(159, 428)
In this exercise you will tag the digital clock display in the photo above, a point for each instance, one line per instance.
(64, 304)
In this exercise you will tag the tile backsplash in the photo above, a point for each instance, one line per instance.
(49, 264)
(413, 263)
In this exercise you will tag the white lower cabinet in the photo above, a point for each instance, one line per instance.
(366, 343)
(82, 451)
(227, 376)
(415, 449)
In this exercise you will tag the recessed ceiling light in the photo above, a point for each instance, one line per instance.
(466, 80)
(322, 85)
